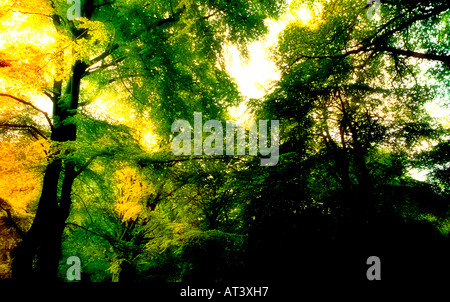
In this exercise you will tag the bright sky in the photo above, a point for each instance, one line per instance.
(256, 75)
(253, 75)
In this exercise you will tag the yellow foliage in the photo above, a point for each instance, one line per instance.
(98, 39)
(128, 209)
(36, 6)
(21, 167)
(35, 53)
(446, 122)
(115, 268)
(131, 191)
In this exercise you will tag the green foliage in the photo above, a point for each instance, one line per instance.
(351, 102)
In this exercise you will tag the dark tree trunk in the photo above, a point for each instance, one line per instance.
(364, 206)
(30, 247)
(38, 255)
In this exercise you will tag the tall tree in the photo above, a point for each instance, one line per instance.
(352, 115)
(171, 50)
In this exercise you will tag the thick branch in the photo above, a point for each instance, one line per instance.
(80, 169)
(375, 39)
(355, 51)
(414, 54)
(147, 162)
(102, 67)
(172, 19)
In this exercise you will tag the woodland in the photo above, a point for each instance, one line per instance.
(86, 166)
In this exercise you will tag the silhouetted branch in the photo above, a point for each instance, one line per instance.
(31, 105)
(11, 220)
(26, 127)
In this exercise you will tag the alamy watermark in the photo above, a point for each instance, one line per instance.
(74, 271)
(213, 144)
(74, 11)
(374, 271)
(373, 9)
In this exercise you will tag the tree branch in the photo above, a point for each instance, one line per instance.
(80, 169)
(107, 238)
(11, 220)
(31, 105)
(211, 15)
(106, 53)
(414, 54)
(174, 18)
(350, 52)
(147, 162)
(102, 67)
(377, 41)
(25, 127)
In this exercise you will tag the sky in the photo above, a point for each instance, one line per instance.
(256, 75)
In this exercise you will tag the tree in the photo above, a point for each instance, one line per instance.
(352, 110)
(400, 23)
(151, 43)
(361, 105)
(21, 166)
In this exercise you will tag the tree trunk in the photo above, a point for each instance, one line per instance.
(37, 256)
(364, 207)
(27, 250)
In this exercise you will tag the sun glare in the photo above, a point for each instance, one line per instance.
(303, 14)
(256, 75)
(239, 113)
